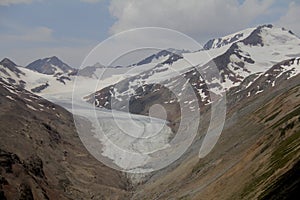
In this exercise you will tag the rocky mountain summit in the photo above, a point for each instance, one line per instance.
(50, 66)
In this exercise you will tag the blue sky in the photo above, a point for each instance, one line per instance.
(31, 29)
(67, 18)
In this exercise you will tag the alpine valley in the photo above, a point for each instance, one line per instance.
(257, 156)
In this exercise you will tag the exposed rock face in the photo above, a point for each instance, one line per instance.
(255, 38)
(149, 59)
(88, 71)
(6, 63)
(49, 66)
(217, 43)
(170, 54)
(40, 88)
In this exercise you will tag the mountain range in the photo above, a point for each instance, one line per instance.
(257, 71)
(239, 61)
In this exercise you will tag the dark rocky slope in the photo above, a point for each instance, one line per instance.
(41, 156)
(256, 157)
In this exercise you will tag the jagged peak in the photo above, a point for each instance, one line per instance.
(49, 65)
(7, 61)
(227, 40)
(53, 59)
(154, 56)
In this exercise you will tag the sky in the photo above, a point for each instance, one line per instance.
(70, 29)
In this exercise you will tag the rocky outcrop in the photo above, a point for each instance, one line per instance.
(49, 66)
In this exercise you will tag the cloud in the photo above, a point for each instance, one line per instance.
(91, 1)
(38, 34)
(11, 2)
(291, 19)
(197, 18)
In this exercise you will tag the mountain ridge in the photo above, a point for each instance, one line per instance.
(235, 64)
(49, 66)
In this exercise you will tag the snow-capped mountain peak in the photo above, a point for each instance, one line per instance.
(252, 36)
(9, 69)
(227, 40)
(251, 53)
(269, 35)
(7, 63)
(50, 66)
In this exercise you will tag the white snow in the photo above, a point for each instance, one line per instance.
(9, 97)
(273, 83)
(11, 90)
(28, 99)
(31, 107)
(260, 91)
(245, 33)
(294, 69)
(279, 46)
